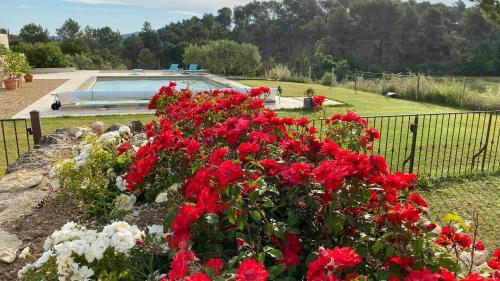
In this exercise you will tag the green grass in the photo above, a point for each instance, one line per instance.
(463, 197)
(363, 103)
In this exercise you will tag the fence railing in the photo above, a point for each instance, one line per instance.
(18, 136)
(439, 144)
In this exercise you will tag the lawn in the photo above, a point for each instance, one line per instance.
(463, 197)
(363, 103)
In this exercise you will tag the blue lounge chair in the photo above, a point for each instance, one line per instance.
(173, 68)
(193, 68)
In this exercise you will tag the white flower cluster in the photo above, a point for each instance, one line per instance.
(84, 154)
(125, 202)
(74, 241)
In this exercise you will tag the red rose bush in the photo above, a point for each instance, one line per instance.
(254, 196)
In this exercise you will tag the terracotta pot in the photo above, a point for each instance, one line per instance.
(11, 84)
(28, 78)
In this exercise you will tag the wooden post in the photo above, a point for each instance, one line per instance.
(464, 83)
(356, 81)
(333, 77)
(418, 87)
(36, 128)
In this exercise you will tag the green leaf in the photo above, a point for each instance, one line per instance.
(273, 252)
(256, 215)
(293, 219)
(335, 224)
(276, 270)
(376, 247)
(212, 218)
(418, 246)
(389, 251)
(268, 203)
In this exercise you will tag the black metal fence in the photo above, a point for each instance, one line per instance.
(441, 144)
(18, 136)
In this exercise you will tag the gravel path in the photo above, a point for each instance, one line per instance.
(12, 102)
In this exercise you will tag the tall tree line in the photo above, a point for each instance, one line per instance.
(370, 35)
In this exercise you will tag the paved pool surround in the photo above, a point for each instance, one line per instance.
(85, 79)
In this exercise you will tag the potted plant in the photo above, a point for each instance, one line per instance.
(308, 100)
(12, 66)
(27, 70)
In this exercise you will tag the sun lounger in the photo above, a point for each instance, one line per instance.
(173, 68)
(193, 69)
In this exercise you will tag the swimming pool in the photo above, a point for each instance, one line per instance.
(144, 84)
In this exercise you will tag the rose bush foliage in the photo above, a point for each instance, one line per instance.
(267, 197)
(251, 195)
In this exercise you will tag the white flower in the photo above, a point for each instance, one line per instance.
(109, 137)
(124, 130)
(125, 202)
(43, 259)
(162, 197)
(78, 247)
(98, 248)
(156, 229)
(82, 274)
(24, 270)
(175, 187)
(122, 241)
(24, 253)
(119, 226)
(121, 183)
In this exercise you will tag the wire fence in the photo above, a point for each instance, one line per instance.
(439, 145)
(473, 93)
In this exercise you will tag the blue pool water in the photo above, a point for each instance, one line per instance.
(153, 84)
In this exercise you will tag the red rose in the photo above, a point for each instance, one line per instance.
(251, 270)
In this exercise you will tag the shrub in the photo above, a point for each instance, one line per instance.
(14, 64)
(81, 61)
(282, 73)
(224, 57)
(328, 78)
(43, 54)
(93, 178)
(275, 200)
(252, 196)
(118, 252)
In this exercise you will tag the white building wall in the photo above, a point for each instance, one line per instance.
(4, 40)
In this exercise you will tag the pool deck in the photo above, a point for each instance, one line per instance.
(84, 79)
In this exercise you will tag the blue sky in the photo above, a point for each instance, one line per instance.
(123, 15)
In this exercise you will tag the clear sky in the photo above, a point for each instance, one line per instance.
(123, 15)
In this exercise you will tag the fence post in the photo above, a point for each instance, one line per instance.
(487, 141)
(333, 77)
(36, 128)
(356, 81)
(463, 93)
(414, 130)
(418, 87)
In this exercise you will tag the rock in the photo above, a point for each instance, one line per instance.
(480, 257)
(114, 127)
(136, 127)
(54, 139)
(9, 246)
(97, 127)
(20, 180)
(77, 132)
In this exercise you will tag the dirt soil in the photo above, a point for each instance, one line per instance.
(49, 216)
(11, 102)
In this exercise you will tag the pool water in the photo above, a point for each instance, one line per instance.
(153, 84)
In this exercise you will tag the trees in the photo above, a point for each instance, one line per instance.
(149, 37)
(225, 57)
(132, 46)
(146, 60)
(70, 30)
(32, 33)
(42, 54)
(491, 8)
